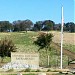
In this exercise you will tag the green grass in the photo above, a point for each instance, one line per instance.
(23, 41)
(70, 47)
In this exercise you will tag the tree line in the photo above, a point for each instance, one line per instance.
(28, 25)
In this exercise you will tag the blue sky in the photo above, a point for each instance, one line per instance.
(37, 10)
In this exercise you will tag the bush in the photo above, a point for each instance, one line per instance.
(6, 47)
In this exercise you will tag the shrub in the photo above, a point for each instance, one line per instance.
(6, 47)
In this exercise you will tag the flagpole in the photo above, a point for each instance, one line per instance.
(61, 37)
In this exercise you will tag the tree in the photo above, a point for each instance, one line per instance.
(17, 25)
(44, 41)
(6, 47)
(22, 25)
(48, 25)
(5, 26)
(70, 27)
(38, 26)
(57, 26)
(27, 24)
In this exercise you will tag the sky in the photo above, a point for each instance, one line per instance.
(37, 10)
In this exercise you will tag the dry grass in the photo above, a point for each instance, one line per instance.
(68, 38)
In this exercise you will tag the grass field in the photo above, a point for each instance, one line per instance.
(24, 43)
(68, 38)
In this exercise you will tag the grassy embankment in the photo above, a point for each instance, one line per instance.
(24, 43)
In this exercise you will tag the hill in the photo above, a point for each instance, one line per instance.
(24, 43)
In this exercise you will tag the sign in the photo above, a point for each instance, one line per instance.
(25, 58)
